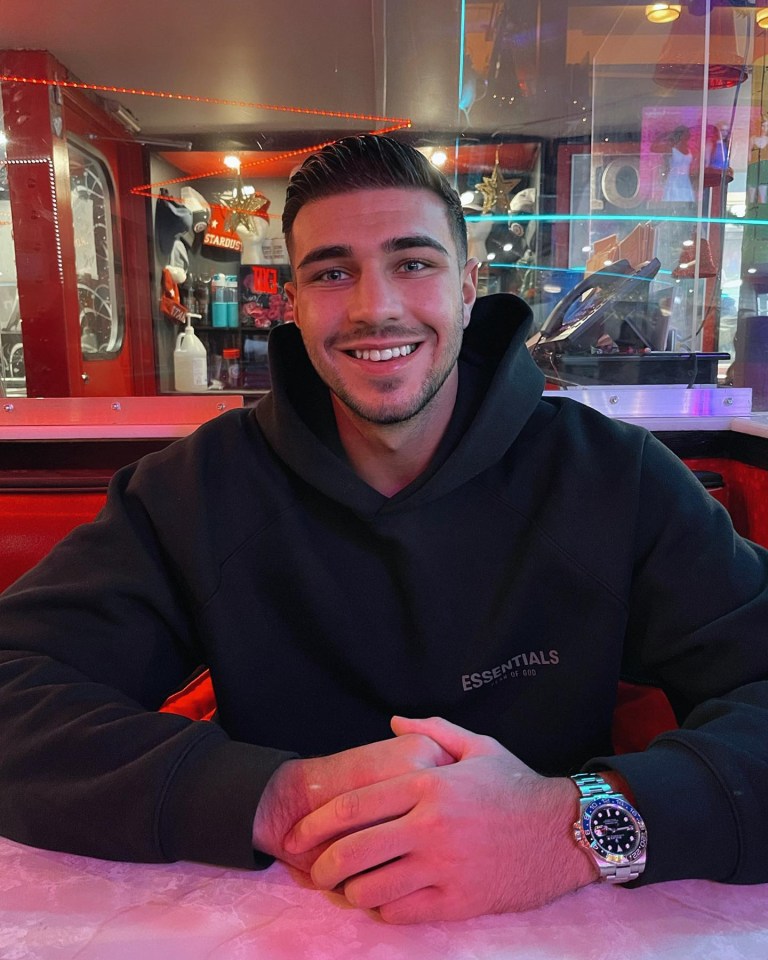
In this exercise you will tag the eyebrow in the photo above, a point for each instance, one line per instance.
(334, 252)
(342, 251)
(408, 243)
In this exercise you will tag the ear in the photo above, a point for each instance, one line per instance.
(290, 291)
(469, 287)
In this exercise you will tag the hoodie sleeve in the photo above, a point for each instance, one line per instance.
(699, 629)
(92, 641)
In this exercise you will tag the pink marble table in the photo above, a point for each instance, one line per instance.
(55, 906)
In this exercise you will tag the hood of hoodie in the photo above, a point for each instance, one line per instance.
(297, 419)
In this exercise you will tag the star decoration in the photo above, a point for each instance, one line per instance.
(496, 190)
(242, 207)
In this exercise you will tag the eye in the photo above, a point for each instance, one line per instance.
(332, 275)
(413, 266)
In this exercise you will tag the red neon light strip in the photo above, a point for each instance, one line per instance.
(217, 101)
(145, 189)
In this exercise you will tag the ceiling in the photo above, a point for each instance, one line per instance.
(256, 63)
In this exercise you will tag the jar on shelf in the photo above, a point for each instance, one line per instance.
(231, 371)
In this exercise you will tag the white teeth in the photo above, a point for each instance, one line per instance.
(387, 354)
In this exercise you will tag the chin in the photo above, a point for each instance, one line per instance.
(388, 411)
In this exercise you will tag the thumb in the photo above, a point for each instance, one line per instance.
(456, 740)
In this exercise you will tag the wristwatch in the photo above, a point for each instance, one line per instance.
(609, 829)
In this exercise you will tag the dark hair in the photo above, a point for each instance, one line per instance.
(680, 133)
(369, 162)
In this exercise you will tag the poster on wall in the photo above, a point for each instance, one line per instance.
(263, 305)
(679, 143)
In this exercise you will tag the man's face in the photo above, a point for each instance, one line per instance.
(380, 299)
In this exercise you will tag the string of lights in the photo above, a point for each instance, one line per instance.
(146, 189)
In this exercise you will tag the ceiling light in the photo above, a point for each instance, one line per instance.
(761, 16)
(663, 12)
(232, 162)
(439, 158)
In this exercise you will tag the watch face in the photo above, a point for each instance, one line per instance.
(614, 829)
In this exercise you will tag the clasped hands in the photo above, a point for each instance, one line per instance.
(437, 823)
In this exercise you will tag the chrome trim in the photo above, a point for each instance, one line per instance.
(630, 403)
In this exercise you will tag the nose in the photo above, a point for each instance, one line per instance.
(374, 298)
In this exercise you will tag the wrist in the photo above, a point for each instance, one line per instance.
(273, 818)
(618, 784)
(582, 868)
(567, 867)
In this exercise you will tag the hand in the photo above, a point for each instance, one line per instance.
(300, 786)
(483, 835)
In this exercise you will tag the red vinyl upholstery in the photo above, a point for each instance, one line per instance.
(33, 522)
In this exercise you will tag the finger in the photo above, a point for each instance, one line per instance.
(415, 752)
(418, 907)
(352, 811)
(362, 851)
(455, 740)
(388, 883)
(391, 758)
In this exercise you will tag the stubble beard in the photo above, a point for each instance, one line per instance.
(388, 414)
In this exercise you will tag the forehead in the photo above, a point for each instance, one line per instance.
(362, 218)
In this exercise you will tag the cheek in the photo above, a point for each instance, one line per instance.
(315, 321)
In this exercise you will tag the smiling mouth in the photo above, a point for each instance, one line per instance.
(388, 353)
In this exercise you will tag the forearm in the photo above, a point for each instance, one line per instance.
(86, 770)
(563, 865)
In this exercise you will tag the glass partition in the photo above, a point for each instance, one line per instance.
(97, 258)
(612, 161)
(12, 380)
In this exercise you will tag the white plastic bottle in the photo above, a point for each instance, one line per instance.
(190, 360)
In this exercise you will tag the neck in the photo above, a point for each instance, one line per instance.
(390, 456)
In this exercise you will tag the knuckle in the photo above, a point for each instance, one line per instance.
(342, 857)
(423, 751)
(426, 783)
(347, 806)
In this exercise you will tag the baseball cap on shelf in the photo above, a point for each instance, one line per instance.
(172, 220)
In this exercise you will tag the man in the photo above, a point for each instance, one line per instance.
(403, 528)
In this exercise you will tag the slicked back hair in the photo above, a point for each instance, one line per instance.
(369, 162)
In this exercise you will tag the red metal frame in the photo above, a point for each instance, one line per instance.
(37, 121)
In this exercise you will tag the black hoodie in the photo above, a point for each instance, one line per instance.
(545, 553)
